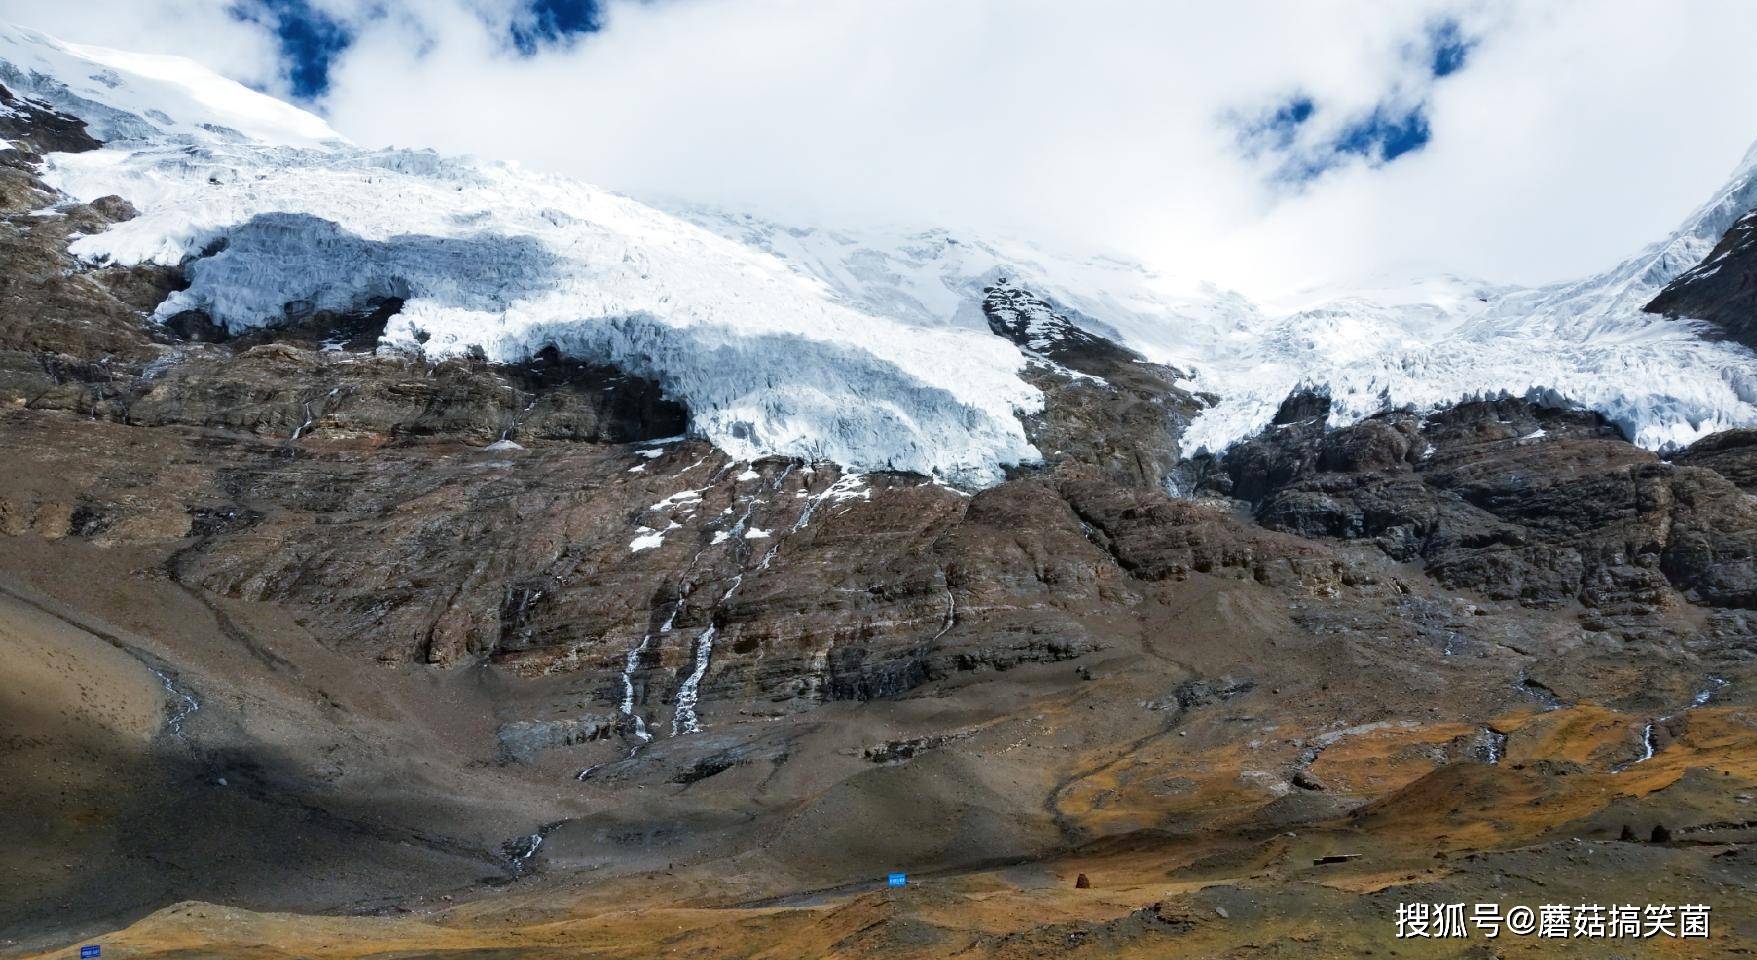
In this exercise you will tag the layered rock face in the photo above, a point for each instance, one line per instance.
(411, 636)
(1108, 408)
(1721, 291)
(1544, 506)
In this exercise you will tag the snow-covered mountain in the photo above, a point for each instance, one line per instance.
(1420, 343)
(491, 258)
(864, 346)
(144, 97)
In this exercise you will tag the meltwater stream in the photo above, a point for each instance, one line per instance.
(1715, 684)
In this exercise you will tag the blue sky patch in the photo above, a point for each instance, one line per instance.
(1384, 135)
(309, 40)
(1378, 138)
(1276, 129)
(1395, 127)
(554, 21)
(1449, 48)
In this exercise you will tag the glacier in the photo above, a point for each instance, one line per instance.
(1391, 343)
(273, 216)
(866, 346)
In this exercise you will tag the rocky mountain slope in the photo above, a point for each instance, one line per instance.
(1721, 291)
(323, 640)
(1422, 343)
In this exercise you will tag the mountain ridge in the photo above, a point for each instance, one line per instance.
(886, 306)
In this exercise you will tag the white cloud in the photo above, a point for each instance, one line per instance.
(1577, 132)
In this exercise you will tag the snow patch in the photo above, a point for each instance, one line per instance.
(679, 499)
(647, 538)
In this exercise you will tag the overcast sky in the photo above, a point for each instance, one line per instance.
(1261, 145)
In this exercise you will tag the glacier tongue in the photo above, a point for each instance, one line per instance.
(493, 259)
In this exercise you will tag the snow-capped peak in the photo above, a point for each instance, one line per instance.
(1386, 343)
(139, 96)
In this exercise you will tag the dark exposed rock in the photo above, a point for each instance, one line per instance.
(278, 389)
(58, 321)
(1037, 325)
(1301, 406)
(573, 400)
(1721, 291)
(1730, 453)
(1520, 501)
(1104, 406)
(194, 325)
(1155, 537)
(41, 127)
(114, 209)
(707, 767)
(206, 521)
(897, 751)
(1202, 692)
(743, 753)
(1020, 645)
(854, 673)
(521, 740)
(356, 331)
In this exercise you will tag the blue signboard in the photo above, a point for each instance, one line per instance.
(897, 880)
(90, 951)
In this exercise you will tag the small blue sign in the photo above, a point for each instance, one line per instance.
(894, 880)
(90, 951)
